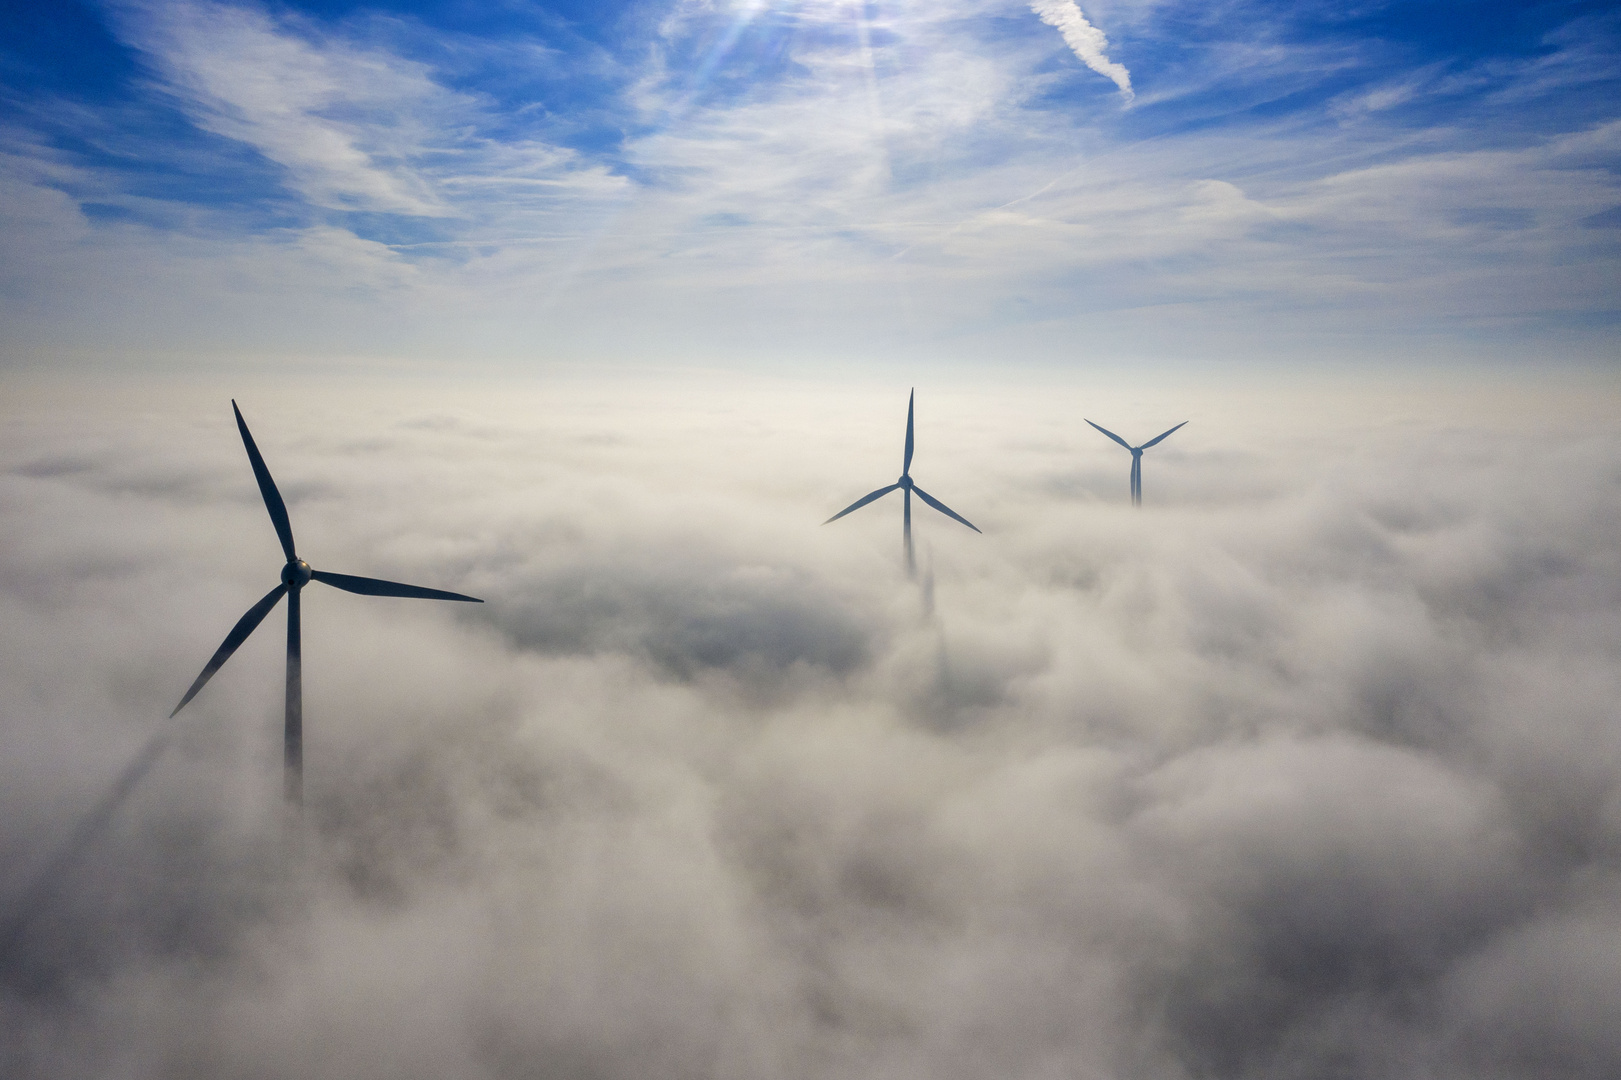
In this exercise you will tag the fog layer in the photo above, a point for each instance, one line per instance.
(1311, 767)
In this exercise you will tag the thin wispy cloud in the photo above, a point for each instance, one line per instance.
(895, 179)
(349, 125)
(355, 126)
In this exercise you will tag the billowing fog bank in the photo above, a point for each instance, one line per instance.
(1311, 768)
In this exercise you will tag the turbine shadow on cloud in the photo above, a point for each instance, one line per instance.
(688, 614)
(49, 880)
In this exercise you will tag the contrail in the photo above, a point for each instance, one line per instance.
(1084, 39)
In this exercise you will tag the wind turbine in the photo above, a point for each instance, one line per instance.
(294, 576)
(1136, 459)
(905, 484)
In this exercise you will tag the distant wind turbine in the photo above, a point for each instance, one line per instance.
(1136, 459)
(905, 484)
(294, 576)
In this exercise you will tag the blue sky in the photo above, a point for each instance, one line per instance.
(820, 182)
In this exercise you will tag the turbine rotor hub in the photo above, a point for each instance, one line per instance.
(296, 574)
(905, 482)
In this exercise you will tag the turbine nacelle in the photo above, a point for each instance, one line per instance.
(296, 574)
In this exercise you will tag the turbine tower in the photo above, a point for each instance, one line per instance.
(1136, 459)
(294, 576)
(906, 485)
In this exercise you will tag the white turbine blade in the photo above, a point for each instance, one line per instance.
(239, 633)
(1157, 438)
(267, 487)
(943, 508)
(1110, 434)
(377, 587)
(863, 501)
(906, 463)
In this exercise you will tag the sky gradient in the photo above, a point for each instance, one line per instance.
(809, 184)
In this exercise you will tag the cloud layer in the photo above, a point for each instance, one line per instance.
(1307, 767)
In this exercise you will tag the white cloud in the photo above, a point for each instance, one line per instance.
(348, 124)
(1217, 787)
(1085, 40)
(356, 126)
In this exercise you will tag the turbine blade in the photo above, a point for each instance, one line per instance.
(368, 586)
(943, 508)
(863, 501)
(239, 633)
(1157, 438)
(1110, 434)
(267, 488)
(906, 464)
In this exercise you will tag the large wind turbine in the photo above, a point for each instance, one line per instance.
(905, 484)
(294, 576)
(1136, 459)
